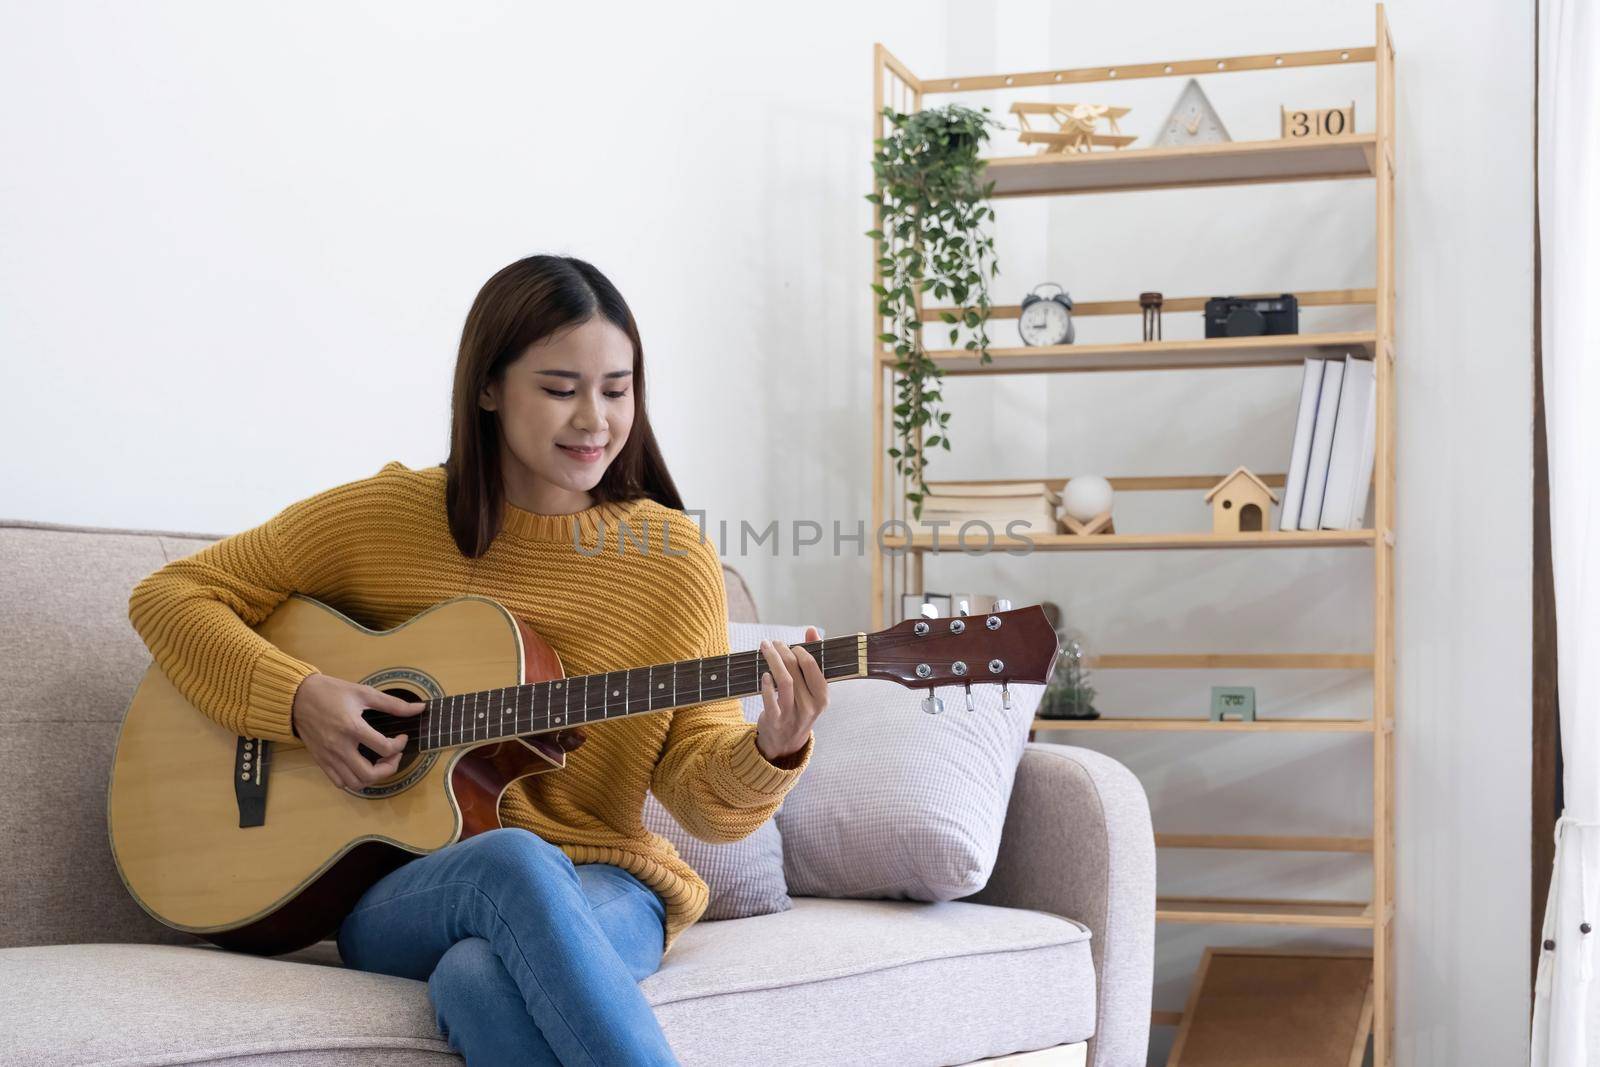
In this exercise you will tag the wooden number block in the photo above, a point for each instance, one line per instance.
(1254, 1007)
(1305, 123)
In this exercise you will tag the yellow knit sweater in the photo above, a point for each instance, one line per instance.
(379, 550)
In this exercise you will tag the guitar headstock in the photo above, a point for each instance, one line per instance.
(1018, 645)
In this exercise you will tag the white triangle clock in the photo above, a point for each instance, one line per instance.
(1193, 121)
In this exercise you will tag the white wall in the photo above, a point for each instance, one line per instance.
(239, 241)
(237, 244)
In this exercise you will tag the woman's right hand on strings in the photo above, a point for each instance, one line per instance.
(327, 718)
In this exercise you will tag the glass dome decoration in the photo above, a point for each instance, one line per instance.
(1068, 694)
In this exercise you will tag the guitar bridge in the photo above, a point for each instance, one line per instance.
(251, 757)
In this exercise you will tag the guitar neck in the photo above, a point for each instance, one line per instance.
(487, 715)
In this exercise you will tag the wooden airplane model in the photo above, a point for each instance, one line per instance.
(1075, 126)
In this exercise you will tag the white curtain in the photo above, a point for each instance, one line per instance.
(1569, 229)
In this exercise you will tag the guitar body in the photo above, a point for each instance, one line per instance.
(174, 815)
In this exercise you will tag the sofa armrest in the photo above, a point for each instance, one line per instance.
(1077, 842)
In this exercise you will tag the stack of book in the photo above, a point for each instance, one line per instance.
(996, 503)
(1335, 443)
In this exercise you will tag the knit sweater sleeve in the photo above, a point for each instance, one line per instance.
(711, 776)
(196, 614)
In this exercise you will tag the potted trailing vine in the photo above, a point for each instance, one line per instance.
(933, 201)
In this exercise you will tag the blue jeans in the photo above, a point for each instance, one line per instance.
(528, 958)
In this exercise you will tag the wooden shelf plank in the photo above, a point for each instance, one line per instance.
(1265, 842)
(1230, 726)
(1260, 661)
(1127, 71)
(1186, 167)
(1135, 483)
(1322, 913)
(1194, 354)
(950, 540)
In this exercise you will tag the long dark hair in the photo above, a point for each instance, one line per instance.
(524, 303)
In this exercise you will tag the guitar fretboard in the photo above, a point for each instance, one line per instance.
(489, 714)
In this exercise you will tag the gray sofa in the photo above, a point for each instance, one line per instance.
(1050, 964)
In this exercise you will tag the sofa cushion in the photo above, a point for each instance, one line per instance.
(902, 805)
(744, 877)
(879, 982)
(120, 1005)
(69, 664)
(875, 981)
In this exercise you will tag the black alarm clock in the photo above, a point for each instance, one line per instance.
(1046, 320)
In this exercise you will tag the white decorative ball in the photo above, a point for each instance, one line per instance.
(1086, 496)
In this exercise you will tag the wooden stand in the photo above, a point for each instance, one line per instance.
(1100, 524)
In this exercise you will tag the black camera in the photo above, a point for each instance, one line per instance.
(1249, 316)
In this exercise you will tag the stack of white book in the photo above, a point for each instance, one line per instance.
(1335, 443)
(995, 503)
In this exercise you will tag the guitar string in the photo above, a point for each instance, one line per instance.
(736, 667)
(742, 671)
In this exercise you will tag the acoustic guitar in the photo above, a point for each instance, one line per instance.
(247, 843)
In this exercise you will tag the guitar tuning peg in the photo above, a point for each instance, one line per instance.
(930, 611)
(932, 704)
(1002, 604)
(1005, 696)
(970, 706)
(962, 610)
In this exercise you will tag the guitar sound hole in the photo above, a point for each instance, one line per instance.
(391, 725)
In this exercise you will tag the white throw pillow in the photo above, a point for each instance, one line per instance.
(900, 804)
(745, 877)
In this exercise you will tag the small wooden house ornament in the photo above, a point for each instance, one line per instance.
(1240, 503)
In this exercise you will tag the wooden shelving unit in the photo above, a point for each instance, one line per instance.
(1356, 156)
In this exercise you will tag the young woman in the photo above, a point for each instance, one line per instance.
(533, 937)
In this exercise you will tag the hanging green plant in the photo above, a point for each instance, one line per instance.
(930, 192)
